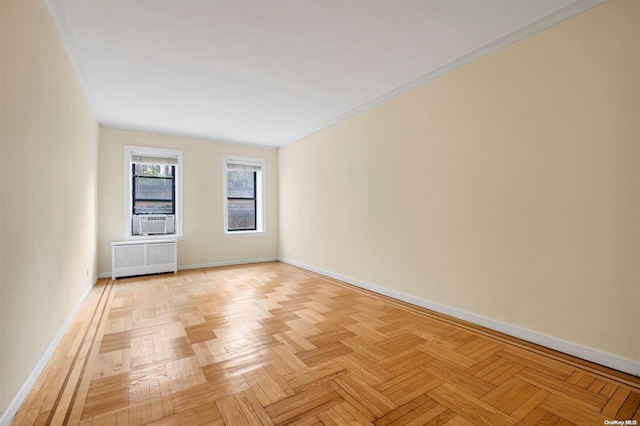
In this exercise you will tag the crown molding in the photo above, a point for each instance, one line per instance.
(526, 30)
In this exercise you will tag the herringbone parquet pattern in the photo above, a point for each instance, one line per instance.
(272, 344)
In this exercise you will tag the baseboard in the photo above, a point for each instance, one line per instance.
(227, 263)
(589, 354)
(211, 264)
(18, 399)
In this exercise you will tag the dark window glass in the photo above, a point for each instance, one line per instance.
(242, 215)
(155, 170)
(241, 184)
(148, 207)
(241, 200)
(153, 189)
(150, 188)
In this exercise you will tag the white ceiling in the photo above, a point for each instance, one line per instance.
(270, 72)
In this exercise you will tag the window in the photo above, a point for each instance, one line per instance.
(153, 192)
(154, 188)
(243, 202)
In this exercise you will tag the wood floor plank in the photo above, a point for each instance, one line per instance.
(629, 407)
(404, 361)
(534, 417)
(409, 411)
(339, 415)
(401, 342)
(354, 401)
(359, 418)
(469, 407)
(367, 332)
(268, 385)
(608, 389)
(436, 416)
(207, 414)
(529, 405)
(447, 373)
(445, 353)
(237, 410)
(306, 378)
(590, 400)
(283, 360)
(551, 367)
(297, 342)
(570, 410)
(516, 398)
(323, 353)
(303, 405)
(459, 421)
(209, 391)
(365, 370)
(366, 348)
(270, 344)
(184, 373)
(374, 401)
(504, 393)
(408, 386)
(234, 366)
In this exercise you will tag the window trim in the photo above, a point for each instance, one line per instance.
(260, 197)
(129, 151)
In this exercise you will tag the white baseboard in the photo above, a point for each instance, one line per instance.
(212, 264)
(18, 399)
(227, 263)
(589, 354)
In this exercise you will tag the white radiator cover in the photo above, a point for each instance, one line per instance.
(143, 257)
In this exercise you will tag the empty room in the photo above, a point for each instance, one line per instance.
(319, 212)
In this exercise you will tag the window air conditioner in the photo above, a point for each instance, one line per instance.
(149, 224)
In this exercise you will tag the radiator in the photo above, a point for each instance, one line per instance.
(143, 257)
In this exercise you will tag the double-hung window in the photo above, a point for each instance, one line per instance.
(244, 201)
(154, 186)
(153, 191)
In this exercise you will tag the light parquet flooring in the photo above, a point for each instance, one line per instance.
(271, 344)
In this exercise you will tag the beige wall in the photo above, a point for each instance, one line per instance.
(204, 241)
(49, 159)
(509, 188)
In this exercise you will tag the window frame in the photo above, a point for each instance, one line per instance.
(259, 194)
(129, 151)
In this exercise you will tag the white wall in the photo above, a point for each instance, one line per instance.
(508, 189)
(49, 141)
(204, 241)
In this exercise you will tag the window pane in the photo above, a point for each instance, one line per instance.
(149, 188)
(242, 214)
(240, 184)
(159, 170)
(141, 207)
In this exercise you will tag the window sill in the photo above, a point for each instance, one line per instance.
(243, 233)
(154, 237)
